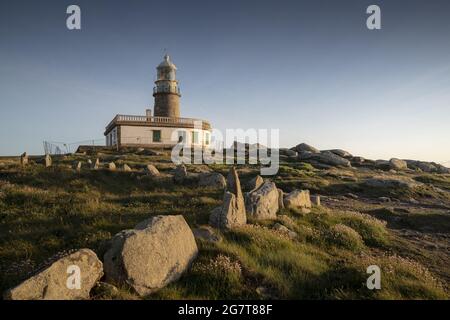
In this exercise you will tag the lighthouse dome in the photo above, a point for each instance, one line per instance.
(167, 63)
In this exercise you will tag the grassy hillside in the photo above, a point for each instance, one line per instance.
(44, 211)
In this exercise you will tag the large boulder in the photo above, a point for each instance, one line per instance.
(398, 164)
(150, 256)
(297, 199)
(232, 212)
(212, 179)
(262, 203)
(59, 280)
(305, 147)
(324, 157)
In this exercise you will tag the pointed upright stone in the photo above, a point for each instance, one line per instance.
(112, 166)
(48, 161)
(97, 164)
(24, 159)
(126, 168)
(77, 166)
(232, 212)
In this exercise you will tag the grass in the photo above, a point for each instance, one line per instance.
(47, 210)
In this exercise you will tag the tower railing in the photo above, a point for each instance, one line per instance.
(166, 89)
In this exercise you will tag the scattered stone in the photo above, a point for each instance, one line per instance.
(97, 164)
(352, 196)
(112, 166)
(48, 161)
(77, 166)
(103, 289)
(279, 227)
(52, 282)
(262, 203)
(153, 254)
(384, 199)
(126, 168)
(315, 200)
(255, 183)
(180, 173)
(24, 159)
(212, 179)
(89, 161)
(297, 199)
(397, 164)
(232, 212)
(151, 169)
(206, 233)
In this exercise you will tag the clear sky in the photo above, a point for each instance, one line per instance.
(310, 68)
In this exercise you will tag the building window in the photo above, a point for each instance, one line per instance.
(207, 138)
(156, 135)
(194, 137)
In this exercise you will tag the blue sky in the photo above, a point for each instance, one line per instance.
(310, 68)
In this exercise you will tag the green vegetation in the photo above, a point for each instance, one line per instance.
(47, 210)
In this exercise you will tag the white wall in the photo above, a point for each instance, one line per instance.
(141, 135)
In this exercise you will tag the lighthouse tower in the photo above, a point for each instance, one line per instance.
(166, 91)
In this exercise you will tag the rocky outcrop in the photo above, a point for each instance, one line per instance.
(341, 153)
(324, 157)
(232, 212)
(429, 167)
(69, 278)
(262, 203)
(302, 147)
(391, 182)
(288, 152)
(212, 179)
(150, 256)
(297, 199)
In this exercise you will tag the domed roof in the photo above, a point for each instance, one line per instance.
(167, 63)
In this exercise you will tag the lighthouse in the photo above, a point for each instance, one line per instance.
(166, 91)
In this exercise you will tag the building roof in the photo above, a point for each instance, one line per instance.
(167, 63)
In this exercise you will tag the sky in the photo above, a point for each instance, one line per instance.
(311, 69)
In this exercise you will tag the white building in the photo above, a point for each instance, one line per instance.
(165, 128)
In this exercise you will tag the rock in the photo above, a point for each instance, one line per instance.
(212, 179)
(52, 282)
(232, 212)
(280, 199)
(262, 203)
(126, 168)
(288, 152)
(352, 196)
(384, 199)
(77, 166)
(282, 229)
(305, 147)
(206, 233)
(397, 164)
(391, 182)
(151, 169)
(112, 166)
(297, 199)
(255, 183)
(97, 164)
(180, 173)
(315, 200)
(341, 153)
(150, 256)
(89, 161)
(357, 160)
(422, 166)
(325, 157)
(103, 289)
(24, 159)
(48, 161)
